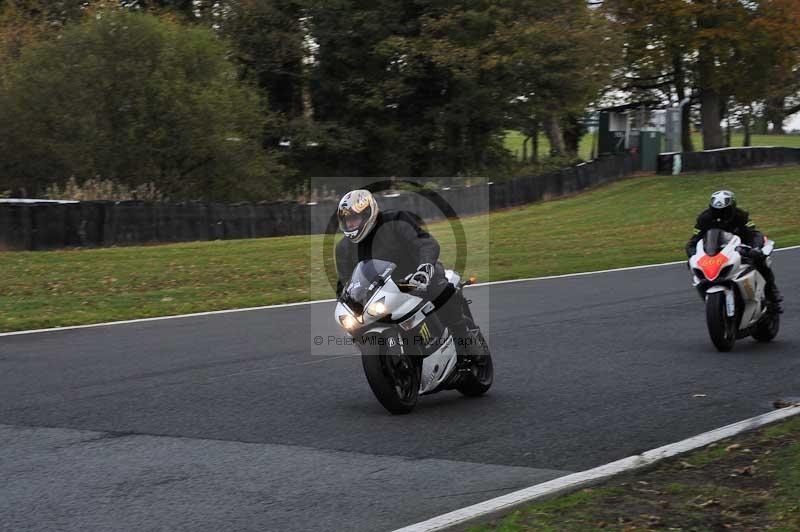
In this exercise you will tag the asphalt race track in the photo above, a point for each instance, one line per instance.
(233, 422)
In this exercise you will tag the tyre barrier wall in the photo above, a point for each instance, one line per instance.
(727, 159)
(42, 226)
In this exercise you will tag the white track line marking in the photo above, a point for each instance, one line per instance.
(574, 481)
(318, 301)
(161, 318)
(579, 274)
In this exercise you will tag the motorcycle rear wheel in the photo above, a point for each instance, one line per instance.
(721, 327)
(767, 329)
(482, 376)
(393, 377)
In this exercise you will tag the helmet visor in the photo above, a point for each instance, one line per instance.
(353, 221)
(724, 214)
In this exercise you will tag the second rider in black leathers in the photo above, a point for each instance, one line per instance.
(722, 213)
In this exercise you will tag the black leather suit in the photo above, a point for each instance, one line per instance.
(400, 237)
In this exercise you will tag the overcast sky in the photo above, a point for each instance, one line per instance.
(794, 122)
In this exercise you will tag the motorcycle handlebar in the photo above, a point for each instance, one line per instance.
(751, 253)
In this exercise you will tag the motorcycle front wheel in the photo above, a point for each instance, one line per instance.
(393, 377)
(721, 327)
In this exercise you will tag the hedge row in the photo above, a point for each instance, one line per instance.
(41, 226)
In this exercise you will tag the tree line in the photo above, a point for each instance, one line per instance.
(245, 99)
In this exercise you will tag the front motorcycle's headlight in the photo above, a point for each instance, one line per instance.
(348, 322)
(378, 308)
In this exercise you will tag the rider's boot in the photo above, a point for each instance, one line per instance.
(771, 291)
(774, 296)
(453, 317)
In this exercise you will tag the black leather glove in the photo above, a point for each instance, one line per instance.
(754, 254)
(422, 278)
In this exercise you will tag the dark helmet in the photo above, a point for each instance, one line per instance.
(723, 205)
(357, 213)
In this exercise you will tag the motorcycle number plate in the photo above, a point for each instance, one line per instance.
(730, 303)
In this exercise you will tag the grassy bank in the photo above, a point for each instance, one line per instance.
(514, 139)
(747, 483)
(637, 221)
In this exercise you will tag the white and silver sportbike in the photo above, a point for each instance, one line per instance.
(405, 349)
(736, 306)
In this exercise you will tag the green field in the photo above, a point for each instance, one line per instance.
(513, 143)
(514, 139)
(747, 483)
(636, 221)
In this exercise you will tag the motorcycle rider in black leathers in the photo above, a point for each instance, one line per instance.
(398, 237)
(723, 214)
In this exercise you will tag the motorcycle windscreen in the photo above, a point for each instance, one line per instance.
(368, 277)
(715, 241)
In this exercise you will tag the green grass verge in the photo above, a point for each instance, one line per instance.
(637, 221)
(514, 139)
(750, 482)
(737, 139)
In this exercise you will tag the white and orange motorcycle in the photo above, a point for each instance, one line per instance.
(733, 290)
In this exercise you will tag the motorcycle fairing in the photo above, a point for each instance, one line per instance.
(371, 282)
(438, 366)
(711, 266)
(751, 287)
(730, 298)
(367, 278)
(743, 285)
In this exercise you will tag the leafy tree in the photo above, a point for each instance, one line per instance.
(273, 48)
(192, 11)
(377, 90)
(774, 60)
(430, 86)
(658, 49)
(23, 22)
(268, 38)
(134, 98)
(724, 49)
(561, 58)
